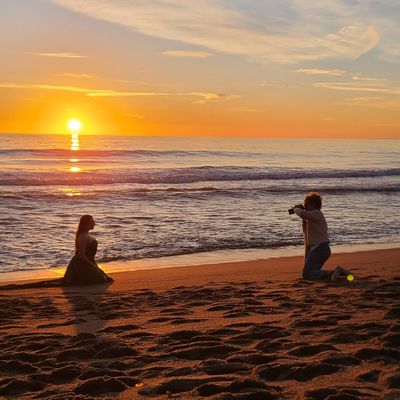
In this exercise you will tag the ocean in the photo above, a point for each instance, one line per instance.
(154, 197)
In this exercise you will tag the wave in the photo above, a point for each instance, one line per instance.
(203, 248)
(157, 252)
(128, 253)
(182, 176)
(164, 193)
(103, 154)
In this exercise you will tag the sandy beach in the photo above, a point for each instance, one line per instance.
(239, 330)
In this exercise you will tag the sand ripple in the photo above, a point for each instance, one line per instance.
(230, 340)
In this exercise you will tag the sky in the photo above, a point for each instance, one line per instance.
(239, 68)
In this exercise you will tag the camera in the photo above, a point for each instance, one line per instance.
(291, 210)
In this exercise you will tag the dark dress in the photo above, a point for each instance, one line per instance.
(80, 272)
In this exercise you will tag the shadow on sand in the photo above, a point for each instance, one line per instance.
(87, 306)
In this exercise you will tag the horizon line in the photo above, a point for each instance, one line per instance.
(221, 136)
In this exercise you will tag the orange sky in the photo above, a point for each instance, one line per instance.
(208, 68)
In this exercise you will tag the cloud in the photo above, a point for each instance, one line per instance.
(120, 93)
(11, 85)
(387, 125)
(372, 102)
(317, 71)
(247, 110)
(59, 55)
(71, 75)
(204, 96)
(297, 30)
(187, 53)
(277, 84)
(133, 82)
(366, 79)
(343, 86)
(212, 96)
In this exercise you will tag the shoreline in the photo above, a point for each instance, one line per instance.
(191, 260)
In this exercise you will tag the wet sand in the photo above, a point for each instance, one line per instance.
(243, 330)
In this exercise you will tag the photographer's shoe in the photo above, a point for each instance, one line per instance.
(340, 272)
(336, 274)
(344, 272)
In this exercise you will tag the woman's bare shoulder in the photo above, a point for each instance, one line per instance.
(83, 237)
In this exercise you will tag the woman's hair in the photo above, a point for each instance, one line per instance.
(83, 226)
(314, 199)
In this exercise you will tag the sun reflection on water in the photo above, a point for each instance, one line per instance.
(74, 126)
(75, 146)
(71, 192)
(75, 141)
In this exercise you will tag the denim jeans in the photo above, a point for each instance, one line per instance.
(315, 261)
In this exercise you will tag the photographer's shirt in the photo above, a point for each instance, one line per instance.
(316, 231)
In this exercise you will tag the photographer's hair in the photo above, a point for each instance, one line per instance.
(83, 226)
(314, 199)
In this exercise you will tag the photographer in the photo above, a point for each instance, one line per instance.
(316, 239)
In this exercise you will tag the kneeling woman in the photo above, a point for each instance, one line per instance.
(82, 269)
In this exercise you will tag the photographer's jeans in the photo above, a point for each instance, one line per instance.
(315, 261)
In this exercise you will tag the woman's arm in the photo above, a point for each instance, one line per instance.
(83, 241)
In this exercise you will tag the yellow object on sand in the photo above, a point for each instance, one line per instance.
(350, 278)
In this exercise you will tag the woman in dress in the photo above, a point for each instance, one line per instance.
(82, 269)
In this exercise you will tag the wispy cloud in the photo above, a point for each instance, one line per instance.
(72, 75)
(349, 87)
(277, 84)
(132, 82)
(206, 97)
(367, 79)
(119, 93)
(318, 71)
(203, 96)
(247, 110)
(187, 54)
(35, 86)
(212, 96)
(299, 33)
(381, 124)
(372, 102)
(59, 55)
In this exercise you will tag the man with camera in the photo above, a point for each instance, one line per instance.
(316, 239)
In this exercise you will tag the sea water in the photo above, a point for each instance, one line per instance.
(153, 197)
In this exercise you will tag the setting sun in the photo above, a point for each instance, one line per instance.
(74, 125)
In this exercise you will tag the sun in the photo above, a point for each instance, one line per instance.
(74, 125)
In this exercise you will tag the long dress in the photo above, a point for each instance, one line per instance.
(80, 272)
